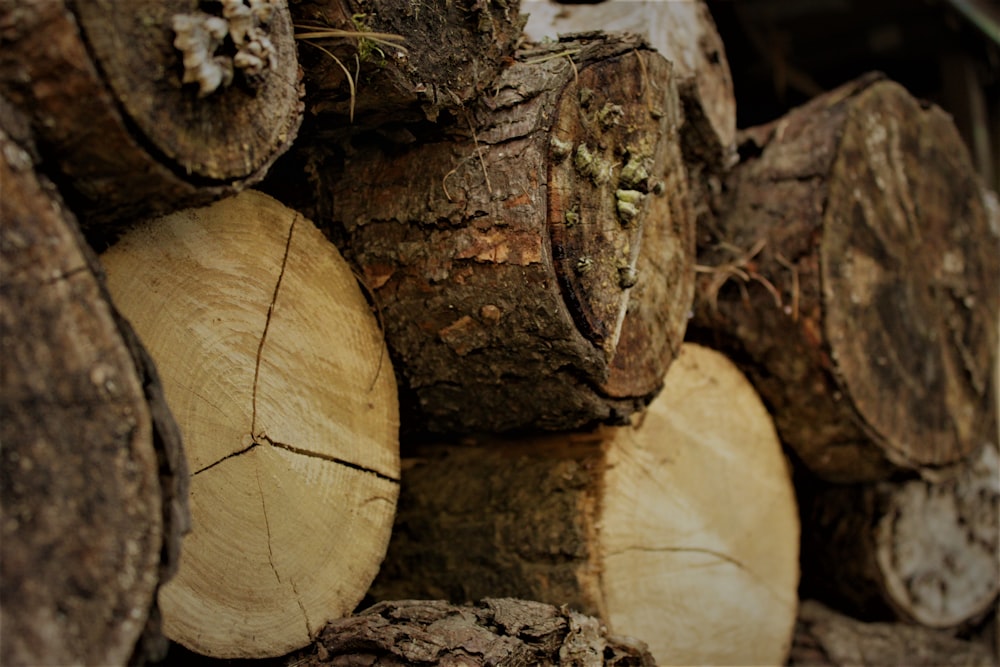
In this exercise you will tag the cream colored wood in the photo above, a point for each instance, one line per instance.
(700, 531)
(276, 371)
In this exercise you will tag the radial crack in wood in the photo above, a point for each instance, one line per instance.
(272, 361)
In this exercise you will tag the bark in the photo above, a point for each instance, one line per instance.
(447, 54)
(852, 270)
(499, 631)
(91, 471)
(824, 638)
(922, 552)
(685, 34)
(532, 267)
(277, 374)
(677, 530)
(124, 135)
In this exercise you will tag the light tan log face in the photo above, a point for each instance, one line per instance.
(538, 273)
(276, 370)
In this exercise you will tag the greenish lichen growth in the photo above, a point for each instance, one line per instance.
(628, 202)
(572, 217)
(591, 165)
(560, 148)
(586, 95)
(368, 50)
(610, 115)
(634, 174)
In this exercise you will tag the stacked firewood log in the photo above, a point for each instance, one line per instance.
(392, 333)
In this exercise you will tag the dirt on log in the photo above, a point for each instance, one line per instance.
(277, 372)
(918, 551)
(824, 638)
(92, 478)
(422, 59)
(494, 631)
(152, 109)
(677, 530)
(852, 272)
(533, 266)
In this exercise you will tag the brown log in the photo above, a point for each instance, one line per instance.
(852, 270)
(922, 552)
(501, 631)
(106, 93)
(92, 479)
(685, 34)
(824, 638)
(447, 54)
(678, 530)
(533, 270)
(277, 372)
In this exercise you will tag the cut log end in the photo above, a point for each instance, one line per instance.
(910, 280)
(616, 218)
(854, 261)
(276, 371)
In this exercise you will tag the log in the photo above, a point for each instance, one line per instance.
(916, 551)
(501, 631)
(276, 371)
(133, 109)
(852, 271)
(439, 57)
(92, 495)
(685, 34)
(677, 530)
(824, 638)
(534, 269)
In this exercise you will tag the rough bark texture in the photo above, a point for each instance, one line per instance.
(824, 638)
(678, 530)
(103, 88)
(536, 274)
(450, 51)
(917, 551)
(278, 375)
(92, 478)
(685, 34)
(498, 631)
(852, 271)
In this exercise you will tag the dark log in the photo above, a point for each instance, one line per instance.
(105, 90)
(447, 53)
(685, 34)
(852, 272)
(503, 631)
(824, 638)
(534, 268)
(918, 551)
(92, 478)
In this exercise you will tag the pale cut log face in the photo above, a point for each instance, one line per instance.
(705, 572)
(910, 291)
(619, 228)
(276, 372)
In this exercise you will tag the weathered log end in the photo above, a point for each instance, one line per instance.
(89, 509)
(536, 274)
(853, 270)
(156, 107)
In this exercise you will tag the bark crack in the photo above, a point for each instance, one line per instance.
(267, 325)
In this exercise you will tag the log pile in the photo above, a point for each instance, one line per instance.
(527, 356)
